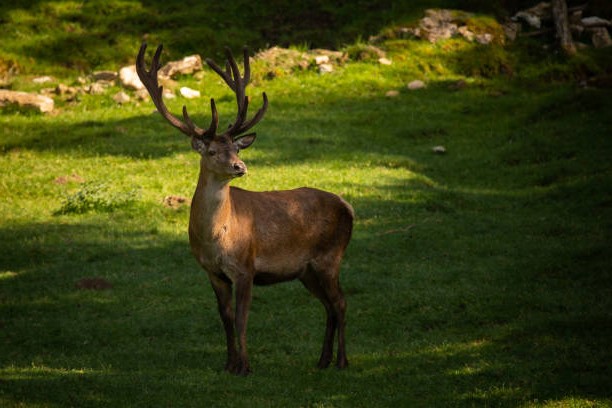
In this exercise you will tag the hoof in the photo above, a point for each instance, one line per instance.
(341, 364)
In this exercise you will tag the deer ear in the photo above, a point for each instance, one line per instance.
(198, 145)
(245, 141)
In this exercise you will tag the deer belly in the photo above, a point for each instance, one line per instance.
(279, 268)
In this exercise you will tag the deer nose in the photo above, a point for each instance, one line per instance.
(239, 169)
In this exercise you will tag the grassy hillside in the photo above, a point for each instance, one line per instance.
(478, 277)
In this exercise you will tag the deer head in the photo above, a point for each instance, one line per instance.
(219, 151)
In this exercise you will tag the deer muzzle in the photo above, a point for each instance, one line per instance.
(239, 168)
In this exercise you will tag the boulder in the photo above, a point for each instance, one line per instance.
(26, 100)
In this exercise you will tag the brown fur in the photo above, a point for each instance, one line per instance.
(242, 237)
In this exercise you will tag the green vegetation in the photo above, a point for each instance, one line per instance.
(478, 277)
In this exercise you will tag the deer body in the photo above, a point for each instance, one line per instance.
(242, 238)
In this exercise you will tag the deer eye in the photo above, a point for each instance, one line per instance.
(212, 152)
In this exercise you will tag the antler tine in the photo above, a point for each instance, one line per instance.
(238, 84)
(247, 65)
(149, 80)
(225, 75)
(255, 119)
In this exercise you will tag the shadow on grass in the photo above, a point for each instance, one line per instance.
(434, 320)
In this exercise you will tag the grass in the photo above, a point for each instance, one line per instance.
(479, 277)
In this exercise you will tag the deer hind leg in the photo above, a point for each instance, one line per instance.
(327, 290)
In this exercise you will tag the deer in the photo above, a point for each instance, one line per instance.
(243, 238)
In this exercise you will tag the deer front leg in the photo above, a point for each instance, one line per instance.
(223, 291)
(244, 288)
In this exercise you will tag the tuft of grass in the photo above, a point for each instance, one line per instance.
(96, 196)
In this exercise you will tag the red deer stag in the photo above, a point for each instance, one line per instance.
(242, 237)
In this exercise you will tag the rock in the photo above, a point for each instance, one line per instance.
(335, 57)
(600, 37)
(439, 149)
(511, 30)
(42, 103)
(595, 22)
(168, 94)
(534, 15)
(322, 59)
(121, 97)
(168, 83)
(484, 38)
(189, 93)
(42, 79)
(108, 76)
(441, 24)
(438, 24)
(143, 94)
(326, 68)
(96, 89)
(392, 93)
(466, 33)
(416, 84)
(384, 61)
(129, 78)
(280, 61)
(186, 66)
(65, 90)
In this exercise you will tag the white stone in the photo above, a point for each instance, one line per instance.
(595, 22)
(42, 79)
(129, 78)
(321, 59)
(416, 84)
(189, 93)
(439, 149)
(384, 61)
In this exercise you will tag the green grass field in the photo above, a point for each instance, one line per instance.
(478, 277)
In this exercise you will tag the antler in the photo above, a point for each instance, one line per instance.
(232, 78)
(149, 79)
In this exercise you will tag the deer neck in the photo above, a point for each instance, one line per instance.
(211, 206)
